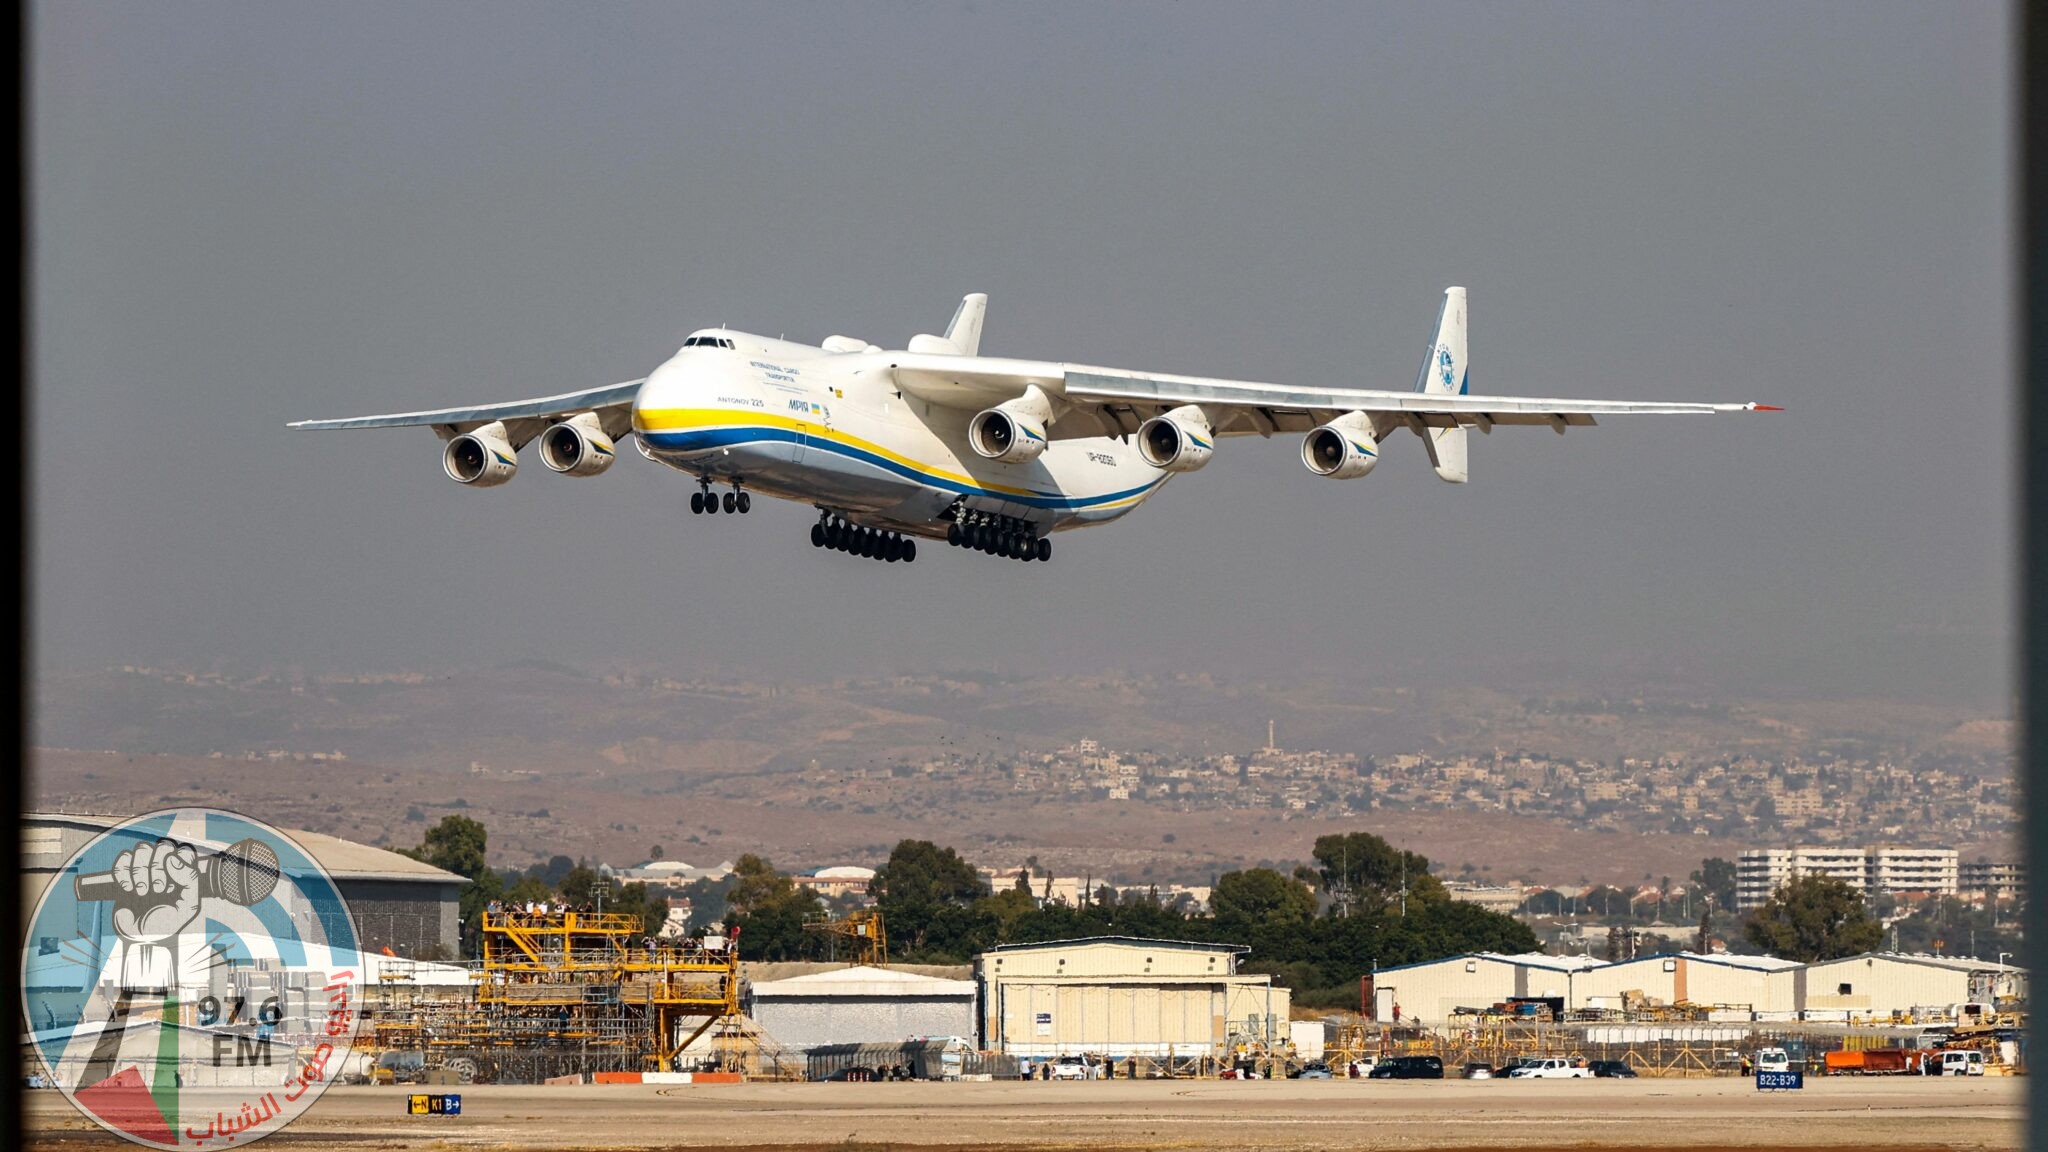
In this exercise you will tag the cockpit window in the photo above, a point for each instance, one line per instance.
(707, 342)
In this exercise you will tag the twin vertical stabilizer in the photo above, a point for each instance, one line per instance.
(1444, 372)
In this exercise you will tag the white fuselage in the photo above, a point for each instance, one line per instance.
(830, 429)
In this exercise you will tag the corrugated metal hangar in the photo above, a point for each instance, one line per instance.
(861, 1005)
(1122, 996)
(1730, 987)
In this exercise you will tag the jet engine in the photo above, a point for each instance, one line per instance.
(482, 457)
(577, 446)
(1343, 448)
(1179, 441)
(1013, 431)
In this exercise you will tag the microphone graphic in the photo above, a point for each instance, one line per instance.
(243, 873)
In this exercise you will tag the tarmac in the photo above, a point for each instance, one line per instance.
(1105, 1116)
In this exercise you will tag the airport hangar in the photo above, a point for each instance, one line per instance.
(806, 1006)
(1731, 987)
(398, 903)
(1122, 996)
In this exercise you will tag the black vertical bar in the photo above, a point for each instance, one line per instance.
(14, 1125)
(2031, 123)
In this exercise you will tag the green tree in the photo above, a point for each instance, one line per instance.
(1373, 872)
(1258, 904)
(459, 844)
(770, 911)
(921, 891)
(1812, 918)
(1716, 879)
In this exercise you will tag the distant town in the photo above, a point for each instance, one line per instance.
(1827, 801)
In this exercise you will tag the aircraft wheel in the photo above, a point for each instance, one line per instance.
(697, 503)
(730, 504)
(711, 502)
(953, 534)
(1044, 549)
(817, 535)
(910, 551)
(745, 502)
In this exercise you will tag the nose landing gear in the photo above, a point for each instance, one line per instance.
(705, 502)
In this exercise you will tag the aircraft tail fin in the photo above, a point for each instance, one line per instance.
(965, 330)
(1445, 372)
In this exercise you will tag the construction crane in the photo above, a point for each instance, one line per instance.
(863, 926)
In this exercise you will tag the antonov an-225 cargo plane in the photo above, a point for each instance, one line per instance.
(940, 442)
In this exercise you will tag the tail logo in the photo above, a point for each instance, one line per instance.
(1444, 365)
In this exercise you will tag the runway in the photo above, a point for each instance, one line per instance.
(1960, 1113)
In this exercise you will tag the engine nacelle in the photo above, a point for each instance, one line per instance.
(1179, 441)
(1013, 431)
(577, 446)
(1344, 448)
(481, 457)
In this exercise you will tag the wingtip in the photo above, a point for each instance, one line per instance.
(1765, 408)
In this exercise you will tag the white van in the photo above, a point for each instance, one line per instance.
(1962, 1062)
(1773, 1060)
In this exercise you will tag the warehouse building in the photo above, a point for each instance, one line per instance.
(1122, 996)
(1735, 987)
(1882, 983)
(861, 1005)
(397, 902)
(1730, 988)
(1430, 992)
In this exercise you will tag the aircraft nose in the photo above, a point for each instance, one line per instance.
(661, 390)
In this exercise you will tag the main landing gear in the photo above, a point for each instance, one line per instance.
(843, 536)
(704, 500)
(998, 536)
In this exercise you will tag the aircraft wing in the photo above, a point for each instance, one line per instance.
(1237, 408)
(1095, 401)
(523, 419)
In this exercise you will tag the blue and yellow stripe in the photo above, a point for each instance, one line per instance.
(704, 429)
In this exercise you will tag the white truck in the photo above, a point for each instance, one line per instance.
(1550, 1068)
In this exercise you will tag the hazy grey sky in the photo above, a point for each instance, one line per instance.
(248, 214)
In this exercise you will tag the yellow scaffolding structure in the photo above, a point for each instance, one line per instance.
(863, 926)
(604, 981)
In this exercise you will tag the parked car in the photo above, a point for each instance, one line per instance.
(1478, 1071)
(1551, 1068)
(1072, 1068)
(1773, 1060)
(1313, 1070)
(1612, 1070)
(1408, 1068)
